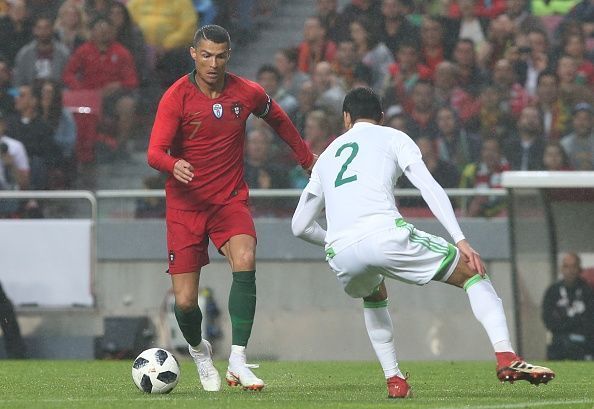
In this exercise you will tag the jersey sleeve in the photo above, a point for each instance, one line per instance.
(267, 109)
(164, 130)
(311, 202)
(406, 150)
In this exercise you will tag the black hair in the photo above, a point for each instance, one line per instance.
(547, 73)
(363, 103)
(214, 33)
(98, 19)
(271, 69)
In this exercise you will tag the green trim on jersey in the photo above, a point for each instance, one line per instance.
(448, 251)
(375, 304)
(330, 253)
(446, 263)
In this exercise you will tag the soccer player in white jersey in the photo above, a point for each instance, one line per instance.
(367, 240)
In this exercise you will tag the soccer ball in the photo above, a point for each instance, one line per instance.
(155, 370)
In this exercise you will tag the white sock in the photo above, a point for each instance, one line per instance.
(488, 309)
(380, 330)
(200, 348)
(237, 356)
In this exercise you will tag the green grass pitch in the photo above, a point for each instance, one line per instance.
(447, 385)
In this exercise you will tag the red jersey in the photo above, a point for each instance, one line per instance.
(209, 134)
(90, 68)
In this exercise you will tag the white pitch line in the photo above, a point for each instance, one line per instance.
(522, 405)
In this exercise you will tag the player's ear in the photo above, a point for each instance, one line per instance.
(381, 121)
(346, 118)
(193, 53)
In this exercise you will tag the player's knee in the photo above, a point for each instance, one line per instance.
(186, 302)
(244, 259)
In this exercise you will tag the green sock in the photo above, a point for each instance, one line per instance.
(242, 306)
(190, 324)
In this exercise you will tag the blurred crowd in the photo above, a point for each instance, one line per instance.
(482, 86)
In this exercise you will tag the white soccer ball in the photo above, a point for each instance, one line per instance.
(156, 370)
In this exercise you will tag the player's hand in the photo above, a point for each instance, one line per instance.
(471, 257)
(310, 167)
(183, 171)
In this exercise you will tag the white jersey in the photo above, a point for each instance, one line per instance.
(356, 176)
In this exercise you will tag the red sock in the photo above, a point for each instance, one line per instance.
(505, 358)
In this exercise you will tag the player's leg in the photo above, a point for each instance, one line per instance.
(360, 279)
(187, 254)
(232, 231)
(381, 334)
(488, 310)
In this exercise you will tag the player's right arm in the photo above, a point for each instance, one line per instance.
(311, 203)
(167, 122)
(440, 205)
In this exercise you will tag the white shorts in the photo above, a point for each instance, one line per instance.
(400, 252)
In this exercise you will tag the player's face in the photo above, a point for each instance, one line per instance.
(211, 60)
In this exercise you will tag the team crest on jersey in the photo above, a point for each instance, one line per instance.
(217, 110)
(236, 108)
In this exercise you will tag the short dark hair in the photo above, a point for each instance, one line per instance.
(363, 103)
(100, 18)
(271, 69)
(214, 33)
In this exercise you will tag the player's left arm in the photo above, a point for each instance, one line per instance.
(274, 116)
(304, 224)
(441, 207)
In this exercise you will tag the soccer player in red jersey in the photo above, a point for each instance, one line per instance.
(198, 139)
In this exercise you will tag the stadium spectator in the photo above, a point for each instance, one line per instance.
(315, 47)
(568, 313)
(470, 25)
(70, 27)
(518, 12)
(261, 172)
(367, 240)
(524, 149)
(554, 157)
(555, 113)
(443, 171)
(551, 7)
(42, 58)
(448, 92)
(572, 89)
(203, 157)
(482, 8)
(579, 144)
(356, 9)
(17, 27)
(327, 11)
(470, 77)
(513, 95)
(130, 36)
(454, 143)
(534, 56)
(270, 79)
(433, 46)
(61, 120)
(345, 62)
(285, 61)
(485, 174)
(404, 73)
(168, 27)
(371, 51)
(492, 120)
(6, 88)
(13, 342)
(96, 8)
(500, 38)
(307, 98)
(106, 66)
(422, 110)
(574, 45)
(14, 163)
(396, 27)
(330, 93)
(36, 135)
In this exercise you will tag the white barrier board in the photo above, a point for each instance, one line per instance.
(46, 262)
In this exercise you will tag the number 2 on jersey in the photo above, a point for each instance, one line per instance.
(340, 179)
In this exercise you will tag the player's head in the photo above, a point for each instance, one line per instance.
(210, 51)
(361, 104)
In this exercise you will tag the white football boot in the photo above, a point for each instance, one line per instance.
(208, 374)
(239, 373)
